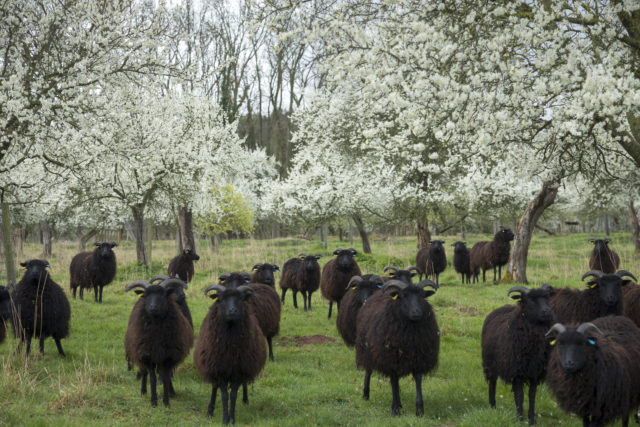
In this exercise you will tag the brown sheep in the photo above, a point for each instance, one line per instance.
(494, 254)
(336, 275)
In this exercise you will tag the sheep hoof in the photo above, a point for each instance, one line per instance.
(419, 411)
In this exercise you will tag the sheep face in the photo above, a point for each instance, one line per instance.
(535, 305)
(265, 273)
(365, 286)
(410, 301)
(402, 275)
(155, 300)
(190, 254)
(459, 247)
(5, 304)
(105, 250)
(234, 280)
(345, 258)
(600, 245)
(574, 348)
(36, 270)
(309, 261)
(609, 287)
(231, 301)
(437, 246)
(504, 235)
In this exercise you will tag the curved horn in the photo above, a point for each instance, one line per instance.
(588, 327)
(520, 289)
(218, 288)
(558, 327)
(608, 239)
(592, 239)
(353, 280)
(625, 273)
(336, 251)
(302, 254)
(394, 284)
(224, 276)
(246, 289)
(173, 283)
(594, 273)
(137, 284)
(546, 286)
(427, 282)
(376, 279)
(391, 267)
(159, 277)
(258, 265)
(413, 267)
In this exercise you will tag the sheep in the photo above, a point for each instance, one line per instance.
(359, 290)
(461, 261)
(336, 275)
(602, 297)
(263, 273)
(514, 346)
(493, 254)
(402, 275)
(593, 369)
(5, 312)
(631, 302)
(603, 258)
(301, 274)
(41, 307)
(158, 336)
(178, 294)
(181, 266)
(397, 334)
(94, 269)
(230, 347)
(432, 260)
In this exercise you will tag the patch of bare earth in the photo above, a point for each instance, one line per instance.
(300, 341)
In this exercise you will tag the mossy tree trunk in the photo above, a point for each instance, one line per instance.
(45, 234)
(139, 233)
(364, 236)
(424, 235)
(633, 214)
(185, 219)
(9, 258)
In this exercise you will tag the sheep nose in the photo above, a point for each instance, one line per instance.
(415, 315)
(569, 365)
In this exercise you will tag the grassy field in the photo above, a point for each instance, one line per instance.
(308, 384)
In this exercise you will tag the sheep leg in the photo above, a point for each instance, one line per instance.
(367, 381)
(28, 339)
(419, 403)
(42, 344)
(165, 375)
(484, 275)
(73, 292)
(95, 292)
(143, 386)
(585, 421)
(270, 343)
(309, 301)
(234, 397)
(225, 402)
(532, 402)
(101, 287)
(625, 420)
(212, 401)
(284, 291)
(518, 395)
(152, 383)
(492, 391)
(330, 307)
(295, 300)
(395, 392)
(59, 345)
(82, 293)
(304, 300)
(245, 393)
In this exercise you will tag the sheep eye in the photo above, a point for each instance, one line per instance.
(552, 343)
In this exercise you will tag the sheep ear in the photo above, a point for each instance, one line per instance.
(275, 267)
(139, 292)
(591, 340)
(113, 244)
(516, 297)
(593, 284)
(429, 292)
(214, 297)
(97, 244)
(23, 264)
(394, 294)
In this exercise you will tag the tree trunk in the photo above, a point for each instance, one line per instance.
(149, 241)
(178, 240)
(84, 238)
(323, 235)
(607, 227)
(366, 247)
(214, 243)
(519, 252)
(9, 260)
(424, 236)
(185, 218)
(139, 233)
(636, 227)
(45, 234)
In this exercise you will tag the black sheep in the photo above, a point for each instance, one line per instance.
(41, 307)
(263, 273)
(631, 302)
(514, 347)
(302, 275)
(461, 261)
(397, 334)
(402, 275)
(432, 260)
(494, 254)
(593, 370)
(603, 258)
(602, 297)
(359, 290)
(94, 269)
(158, 336)
(178, 294)
(230, 347)
(181, 266)
(5, 312)
(336, 275)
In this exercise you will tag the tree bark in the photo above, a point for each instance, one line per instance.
(636, 226)
(139, 233)
(607, 227)
(84, 238)
(214, 243)
(424, 235)
(366, 246)
(185, 219)
(520, 250)
(45, 234)
(178, 240)
(9, 259)
(148, 245)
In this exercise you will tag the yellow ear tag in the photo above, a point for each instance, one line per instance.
(215, 298)
(593, 286)
(395, 297)
(518, 299)
(354, 287)
(552, 343)
(392, 274)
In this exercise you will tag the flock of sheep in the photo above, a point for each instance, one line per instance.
(585, 344)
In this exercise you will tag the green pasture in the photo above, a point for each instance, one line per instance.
(308, 384)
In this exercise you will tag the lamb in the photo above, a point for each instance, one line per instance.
(461, 261)
(397, 334)
(181, 266)
(514, 346)
(432, 260)
(5, 312)
(602, 297)
(359, 290)
(94, 269)
(263, 273)
(493, 254)
(593, 370)
(41, 307)
(230, 347)
(158, 336)
(603, 258)
(402, 275)
(301, 274)
(336, 275)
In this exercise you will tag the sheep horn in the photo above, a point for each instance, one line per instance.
(161, 277)
(592, 239)
(218, 288)
(520, 289)
(391, 267)
(337, 251)
(224, 276)
(137, 284)
(174, 283)
(558, 327)
(353, 280)
(376, 279)
(394, 284)
(625, 273)
(546, 287)
(246, 289)
(428, 282)
(302, 254)
(594, 273)
(256, 266)
(413, 267)
(608, 239)
(588, 327)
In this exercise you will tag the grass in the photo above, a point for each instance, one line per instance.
(315, 384)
